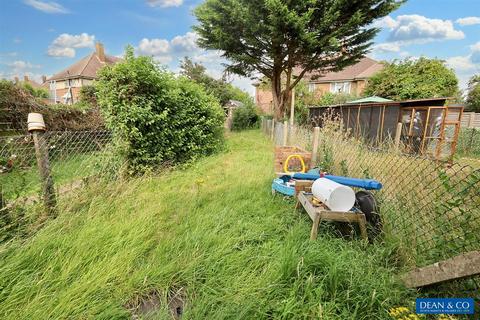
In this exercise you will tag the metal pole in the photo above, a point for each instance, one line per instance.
(36, 126)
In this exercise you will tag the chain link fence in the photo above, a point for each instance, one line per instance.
(74, 158)
(469, 143)
(429, 209)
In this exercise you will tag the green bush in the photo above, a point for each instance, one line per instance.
(158, 118)
(413, 79)
(245, 118)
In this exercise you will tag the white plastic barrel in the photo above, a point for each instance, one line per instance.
(335, 196)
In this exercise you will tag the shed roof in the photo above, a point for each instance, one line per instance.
(430, 102)
(371, 99)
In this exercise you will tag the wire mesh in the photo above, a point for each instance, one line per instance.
(430, 209)
(74, 157)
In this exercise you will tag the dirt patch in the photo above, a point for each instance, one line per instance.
(146, 306)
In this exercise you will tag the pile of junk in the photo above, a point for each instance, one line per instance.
(327, 196)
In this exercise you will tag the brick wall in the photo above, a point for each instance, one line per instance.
(263, 99)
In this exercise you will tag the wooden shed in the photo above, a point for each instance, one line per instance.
(428, 126)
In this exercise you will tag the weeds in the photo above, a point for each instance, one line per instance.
(212, 229)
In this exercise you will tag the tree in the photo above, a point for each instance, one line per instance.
(413, 79)
(36, 92)
(220, 88)
(157, 118)
(473, 96)
(287, 39)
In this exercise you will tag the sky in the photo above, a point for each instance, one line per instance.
(42, 37)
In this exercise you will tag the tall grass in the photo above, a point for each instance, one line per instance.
(212, 229)
(431, 209)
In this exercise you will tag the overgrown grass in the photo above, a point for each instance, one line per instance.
(213, 229)
(26, 182)
(429, 209)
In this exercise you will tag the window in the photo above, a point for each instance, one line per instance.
(311, 87)
(340, 87)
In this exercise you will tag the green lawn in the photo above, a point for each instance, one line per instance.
(212, 229)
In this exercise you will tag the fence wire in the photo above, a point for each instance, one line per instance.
(74, 157)
(430, 209)
(469, 143)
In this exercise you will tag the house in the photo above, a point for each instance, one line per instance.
(65, 86)
(27, 80)
(351, 80)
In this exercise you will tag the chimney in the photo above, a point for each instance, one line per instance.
(100, 51)
(44, 79)
(25, 78)
(16, 79)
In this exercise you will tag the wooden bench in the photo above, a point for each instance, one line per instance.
(322, 213)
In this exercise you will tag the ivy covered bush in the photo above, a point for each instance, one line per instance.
(157, 118)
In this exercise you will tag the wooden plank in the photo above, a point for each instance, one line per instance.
(461, 266)
(339, 216)
(315, 225)
(362, 223)
(318, 214)
(316, 138)
(307, 205)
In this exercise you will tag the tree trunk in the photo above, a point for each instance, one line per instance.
(281, 97)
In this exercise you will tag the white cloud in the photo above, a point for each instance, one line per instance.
(21, 65)
(153, 47)
(466, 66)
(387, 47)
(413, 29)
(419, 29)
(386, 22)
(185, 43)
(460, 63)
(65, 44)
(468, 21)
(47, 7)
(170, 52)
(61, 52)
(164, 3)
(20, 68)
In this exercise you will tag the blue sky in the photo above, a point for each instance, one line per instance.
(41, 37)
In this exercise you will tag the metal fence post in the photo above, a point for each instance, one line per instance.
(36, 126)
(316, 138)
(285, 132)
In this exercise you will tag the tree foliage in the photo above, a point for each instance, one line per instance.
(220, 88)
(279, 38)
(16, 102)
(413, 79)
(245, 117)
(158, 118)
(473, 96)
(35, 92)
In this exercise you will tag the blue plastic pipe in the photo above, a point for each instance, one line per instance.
(368, 184)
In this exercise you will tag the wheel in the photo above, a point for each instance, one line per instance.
(365, 201)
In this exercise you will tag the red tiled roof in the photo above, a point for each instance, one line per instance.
(84, 68)
(364, 69)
